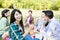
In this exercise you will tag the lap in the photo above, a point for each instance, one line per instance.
(28, 37)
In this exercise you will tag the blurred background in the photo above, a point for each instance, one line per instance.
(35, 5)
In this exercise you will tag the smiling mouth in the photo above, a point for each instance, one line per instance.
(18, 18)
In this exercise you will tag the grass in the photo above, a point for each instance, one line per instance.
(36, 14)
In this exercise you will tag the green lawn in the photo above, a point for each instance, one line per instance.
(36, 14)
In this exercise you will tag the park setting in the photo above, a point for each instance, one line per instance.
(36, 7)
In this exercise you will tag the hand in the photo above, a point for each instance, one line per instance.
(6, 28)
(26, 24)
(5, 35)
(28, 31)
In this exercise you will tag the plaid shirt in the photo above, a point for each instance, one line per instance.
(15, 32)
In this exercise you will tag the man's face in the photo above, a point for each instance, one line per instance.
(44, 17)
(30, 13)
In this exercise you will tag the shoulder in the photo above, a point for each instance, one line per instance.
(32, 17)
(14, 26)
(52, 25)
(54, 22)
(3, 18)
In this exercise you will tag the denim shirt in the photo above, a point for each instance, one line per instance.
(53, 29)
(15, 32)
(39, 25)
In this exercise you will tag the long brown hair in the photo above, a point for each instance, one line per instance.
(12, 18)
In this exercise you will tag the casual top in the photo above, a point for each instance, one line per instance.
(53, 29)
(15, 32)
(30, 19)
(39, 25)
(3, 23)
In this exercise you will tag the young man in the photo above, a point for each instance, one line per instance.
(52, 30)
(30, 21)
(30, 18)
(41, 24)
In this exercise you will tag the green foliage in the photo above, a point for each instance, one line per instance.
(31, 4)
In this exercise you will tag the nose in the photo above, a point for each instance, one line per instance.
(19, 15)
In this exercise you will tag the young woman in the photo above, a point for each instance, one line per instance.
(16, 30)
(4, 24)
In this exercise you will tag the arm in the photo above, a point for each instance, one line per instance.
(6, 28)
(28, 31)
(3, 23)
(34, 29)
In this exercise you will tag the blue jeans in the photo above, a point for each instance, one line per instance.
(36, 39)
(28, 37)
(1, 35)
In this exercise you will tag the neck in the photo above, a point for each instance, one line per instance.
(49, 20)
(17, 22)
(30, 15)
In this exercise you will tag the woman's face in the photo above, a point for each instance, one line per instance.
(7, 14)
(17, 16)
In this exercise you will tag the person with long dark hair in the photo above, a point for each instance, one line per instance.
(4, 24)
(16, 30)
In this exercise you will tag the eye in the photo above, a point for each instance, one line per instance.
(16, 14)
